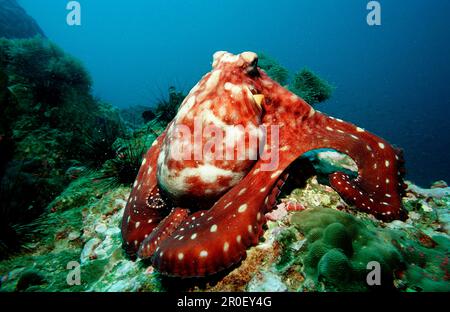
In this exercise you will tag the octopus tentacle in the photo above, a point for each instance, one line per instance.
(219, 237)
(378, 187)
(165, 228)
(145, 208)
(376, 190)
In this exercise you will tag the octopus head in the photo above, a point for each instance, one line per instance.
(226, 101)
(232, 84)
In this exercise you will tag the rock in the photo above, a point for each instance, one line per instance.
(124, 268)
(414, 215)
(266, 281)
(120, 203)
(28, 279)
(73, 235)
(105, 248)
(398, 225)
(15, 22)
(434, 192)
(277, 214)
(122, 286)
(101, 229)
(337, 159)
(88, 252)
(112, 231)
(439, 184)
(426, 207)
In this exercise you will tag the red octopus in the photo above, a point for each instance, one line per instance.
(196, 213)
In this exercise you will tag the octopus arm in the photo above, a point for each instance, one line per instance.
(210, 241)
(145, 208)
(379, 185)
(165, 229)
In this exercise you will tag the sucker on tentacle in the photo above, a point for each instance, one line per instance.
(215, 207)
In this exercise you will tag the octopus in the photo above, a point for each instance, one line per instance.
(194, 212)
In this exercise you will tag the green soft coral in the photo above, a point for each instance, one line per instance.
(273, 68)
(305, 83)
(339, 247)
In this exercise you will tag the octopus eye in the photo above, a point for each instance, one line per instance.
(251, 60)
(252, 69)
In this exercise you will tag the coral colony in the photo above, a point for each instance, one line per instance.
(196, 217)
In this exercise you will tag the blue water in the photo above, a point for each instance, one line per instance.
(391, 79)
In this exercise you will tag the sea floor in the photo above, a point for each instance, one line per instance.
(314, 242)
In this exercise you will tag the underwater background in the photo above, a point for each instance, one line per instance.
(79, 105)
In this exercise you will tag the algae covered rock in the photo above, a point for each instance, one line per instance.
(49, 122)
(315, 195)
(30, 279)
(15, 22)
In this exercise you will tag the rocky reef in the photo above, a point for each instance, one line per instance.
(15, 22)
(50, 124)
(314, 242)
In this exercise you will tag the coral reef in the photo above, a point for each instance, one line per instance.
(300, 251)
(78, 189)
(339, 247)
